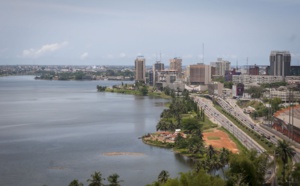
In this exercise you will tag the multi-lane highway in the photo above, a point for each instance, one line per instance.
(211, 112)
(235, 111)
(245, 120)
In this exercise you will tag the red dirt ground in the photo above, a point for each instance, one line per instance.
(224, 140)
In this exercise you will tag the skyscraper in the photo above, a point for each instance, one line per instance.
(199, 74)
(221, 66)
(140, 69)
(157, 67)
(175, 64)
(280, 63)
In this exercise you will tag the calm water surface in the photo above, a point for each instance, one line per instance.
(52, 132)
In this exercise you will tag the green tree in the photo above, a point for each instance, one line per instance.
(79, 75)
(110, 72)
(163, 176)
(144, 90)
(250, 166)
(275, 104)
(195, 144)
(75, 183)
(210, 152)
(113, 180)
(255, 92)
(284, 151)
(228, 84)
(190, 124)
(254, 114)
(296, 173)
(96, 179)
(180, 142)
(224, 156)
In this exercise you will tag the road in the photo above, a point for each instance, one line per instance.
(214, 114)
(247, 141)
(231, 107)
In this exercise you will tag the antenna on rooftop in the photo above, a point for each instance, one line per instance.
(203, 53)
(247, 66)
(160, 56)
(237, 64)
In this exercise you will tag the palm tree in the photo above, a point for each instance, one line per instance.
(96, 179)
(75, 183)
(224, 156)
(210, 151)
(163, 176)
(215, 164)
(284, 151)
(113, 180)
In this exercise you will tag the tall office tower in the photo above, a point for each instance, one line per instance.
(280, 63)
(221, 66)
(175, 64)
(140, 69)
(157, 67)
(199, 74)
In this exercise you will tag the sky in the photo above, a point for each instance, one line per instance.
(115, 32)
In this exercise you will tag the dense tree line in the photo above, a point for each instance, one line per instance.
(101, 88)
(171, 118)
(97, 180)
(273, 85)
(81, 75)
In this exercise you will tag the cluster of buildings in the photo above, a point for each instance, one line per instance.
(195, 77)
(199, 77)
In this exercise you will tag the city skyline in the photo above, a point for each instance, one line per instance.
(116, 32)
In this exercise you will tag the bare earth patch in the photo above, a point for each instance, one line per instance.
(123, 154)
(224, 141)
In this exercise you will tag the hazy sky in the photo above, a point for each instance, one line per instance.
(114, 32)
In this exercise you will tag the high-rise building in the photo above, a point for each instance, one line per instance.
(176, 64)
(140, 69)
(221, 66)
(280, 63)
(198, 74)
(157, 67)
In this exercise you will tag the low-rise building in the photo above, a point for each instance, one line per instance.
(283, 93)
(258, 79)
(215, 88)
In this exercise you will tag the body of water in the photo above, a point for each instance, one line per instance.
(52, 132)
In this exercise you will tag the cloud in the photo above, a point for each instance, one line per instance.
(122, 55)
(48, 48)
(109, 56)
(84, 55)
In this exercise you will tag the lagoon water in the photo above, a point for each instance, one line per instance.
(52, 132)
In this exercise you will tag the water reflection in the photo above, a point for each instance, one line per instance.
(184, 160)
